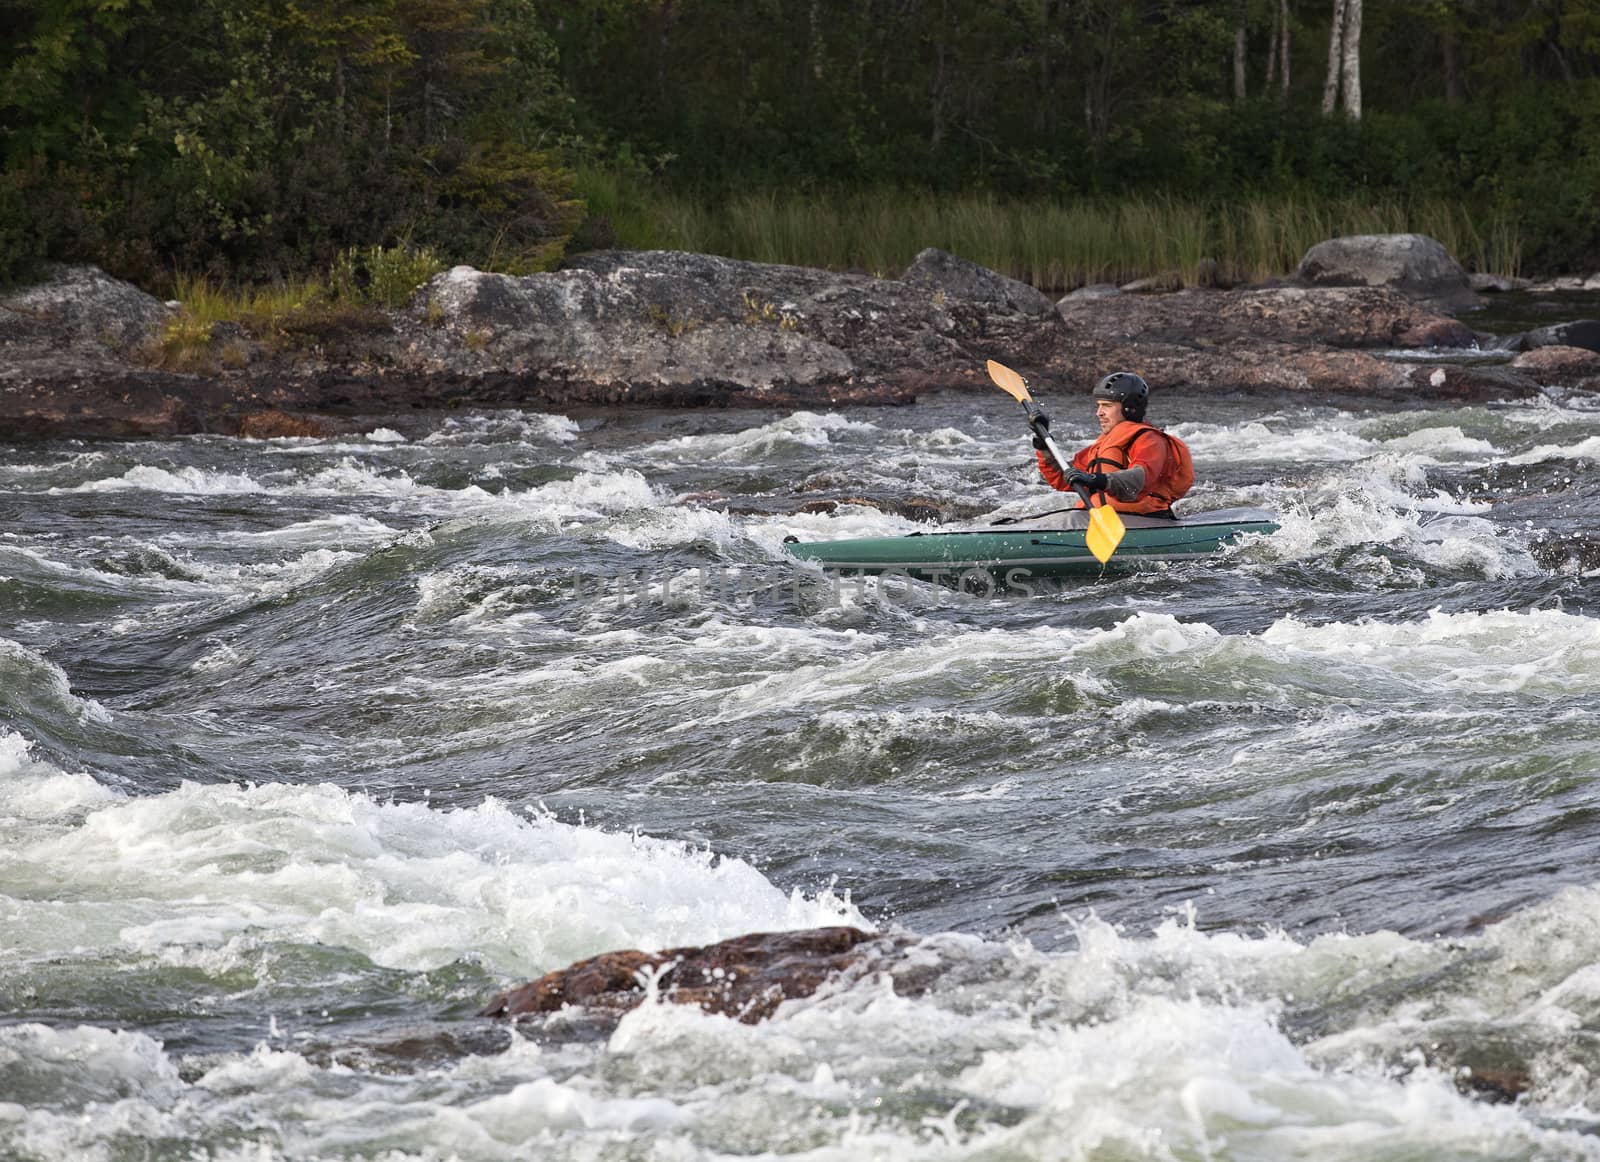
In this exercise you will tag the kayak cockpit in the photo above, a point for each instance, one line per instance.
(1077, 520)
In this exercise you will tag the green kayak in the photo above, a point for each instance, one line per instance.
(1011, 553)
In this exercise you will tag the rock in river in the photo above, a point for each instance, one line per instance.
(746, 977)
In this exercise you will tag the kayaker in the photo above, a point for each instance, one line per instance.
(1133, 466)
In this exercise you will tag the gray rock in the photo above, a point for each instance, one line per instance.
(1155, 284)
(1324, 316)
(1583, 333)
(688, 330)
(665, 317)
(1490, 284)
(1409, 262)
(84, 304)
(1095, 290)
(940, 271)
(1327, 342)
(620, 329)
(1566, 282)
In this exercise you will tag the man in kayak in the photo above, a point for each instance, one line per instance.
(1133, 466)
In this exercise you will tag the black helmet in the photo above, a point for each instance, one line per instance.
(1128, 389)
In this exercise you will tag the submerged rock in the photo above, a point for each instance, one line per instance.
(275, 424)
(746, 978)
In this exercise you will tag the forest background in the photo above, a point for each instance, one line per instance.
(251, 143)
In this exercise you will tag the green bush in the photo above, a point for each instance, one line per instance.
(21, 246)
(386, 275)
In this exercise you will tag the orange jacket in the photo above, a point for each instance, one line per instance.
(1168, 468)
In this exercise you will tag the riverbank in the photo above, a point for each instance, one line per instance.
(88, 356)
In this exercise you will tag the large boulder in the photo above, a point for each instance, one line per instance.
(654, 322)
(956, 278)
(1413, 263)
(635, 329)
(82, 304)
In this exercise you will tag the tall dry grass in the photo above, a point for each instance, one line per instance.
(1052, 245)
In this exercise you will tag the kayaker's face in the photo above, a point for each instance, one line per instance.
(1109, 413)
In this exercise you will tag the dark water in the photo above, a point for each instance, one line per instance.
(307, 748)
(1510, 314)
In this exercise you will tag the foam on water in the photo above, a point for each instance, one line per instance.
(1447, 440)
(504, 427)
(793, 433)
(31, 681)
(34, 792)
(18, 560)
(182, 481)
(658, 528)
(235, 869)
(1442, 531)
(1258, 442)
(1442, 656)
(272, 578)
(1543, 651)
(952, 663)
(850, 682)
(1171, 1044)
(222, 915)
(324, 532)
(471, 593)
(1586, 449)
(353, 477)
(846, 522)
(588, 495)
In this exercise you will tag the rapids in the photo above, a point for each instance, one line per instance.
(307, 748)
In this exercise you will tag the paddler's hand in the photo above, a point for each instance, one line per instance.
(1093, 481)
(1041, 428)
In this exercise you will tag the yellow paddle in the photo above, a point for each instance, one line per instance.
(1105, 526)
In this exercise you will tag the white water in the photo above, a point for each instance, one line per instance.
(1263, 861)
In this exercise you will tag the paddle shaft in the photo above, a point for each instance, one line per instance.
(1062, 462)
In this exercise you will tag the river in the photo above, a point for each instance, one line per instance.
(310, 747)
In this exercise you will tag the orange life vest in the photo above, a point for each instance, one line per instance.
(1110, 453)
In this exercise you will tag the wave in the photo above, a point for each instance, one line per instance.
(218, 875)
(1175, 1043)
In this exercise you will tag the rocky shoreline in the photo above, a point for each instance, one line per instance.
(83, 355)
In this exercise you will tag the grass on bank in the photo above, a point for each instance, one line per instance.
(1054, 246)
(277, 314)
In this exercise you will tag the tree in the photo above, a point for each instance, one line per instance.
(1344, 60)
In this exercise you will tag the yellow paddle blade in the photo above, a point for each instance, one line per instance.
(1008, 381)
(1105, 532)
